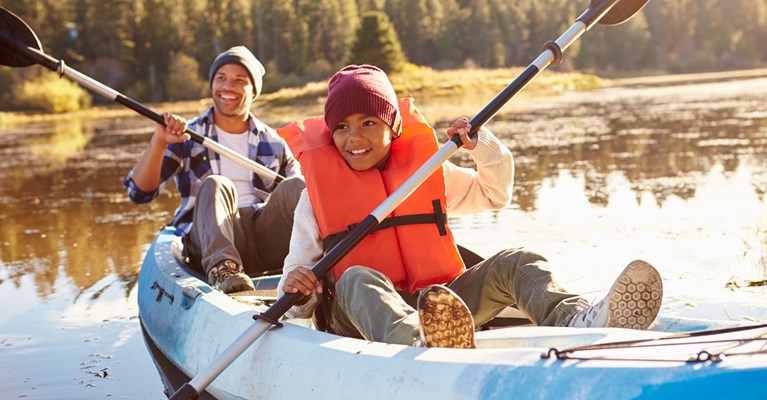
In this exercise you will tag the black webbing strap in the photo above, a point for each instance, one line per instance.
(438, 217)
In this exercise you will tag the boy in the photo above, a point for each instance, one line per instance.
(370, 145)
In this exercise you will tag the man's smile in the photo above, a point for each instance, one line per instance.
(228, 97)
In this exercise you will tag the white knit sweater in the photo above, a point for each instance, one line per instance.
(469, 191)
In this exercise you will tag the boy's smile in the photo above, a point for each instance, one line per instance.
(364, 141)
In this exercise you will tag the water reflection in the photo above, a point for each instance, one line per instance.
(172, 377)
(664, 143)
(63, 208)
(674, 174)
(67, 140)
(65, 213)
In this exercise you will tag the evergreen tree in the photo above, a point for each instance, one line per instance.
(280, 42)
(158, 34)
(102, 28)
(185, 83)
(377, 43)
(130, 44)
(679, 29)
(239, 24)
(370, 5)
(51, 21)
(104, 41)
(331, 26)
(657, 31)
(451, 35)
(480, 39)
(298, 56)
(411, 19)
(628, 45)
(752, 18)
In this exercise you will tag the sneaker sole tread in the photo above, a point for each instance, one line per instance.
(636, 297)
(445, 319)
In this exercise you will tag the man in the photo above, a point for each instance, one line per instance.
(234, 222)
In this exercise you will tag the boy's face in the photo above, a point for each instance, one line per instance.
(232, 90)
(364, 141)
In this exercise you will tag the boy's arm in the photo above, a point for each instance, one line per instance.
(489, 187)
(305, 250)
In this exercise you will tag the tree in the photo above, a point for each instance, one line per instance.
(239, 24)
(628, 44)
(483, 38)
(282, 35)
(370, 5)
(158, 33)
(49, 19)
(49, 93)
(331, 25)
(129, 44)
(377, 43)
(6, 81)
(102, 32)
(411, 19)
(184, 82)
(452, 32)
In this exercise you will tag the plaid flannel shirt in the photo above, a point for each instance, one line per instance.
(189, 163)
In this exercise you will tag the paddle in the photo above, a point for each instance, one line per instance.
(20, 47)
(612, 11)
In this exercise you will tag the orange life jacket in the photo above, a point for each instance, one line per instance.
(413, 255)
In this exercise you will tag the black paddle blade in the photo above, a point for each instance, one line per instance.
(15, 32)
(622, 11)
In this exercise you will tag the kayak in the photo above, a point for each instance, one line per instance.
(190, 323)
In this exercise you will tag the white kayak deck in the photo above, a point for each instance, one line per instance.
(192, 323)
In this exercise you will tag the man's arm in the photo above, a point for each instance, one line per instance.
(146, 172)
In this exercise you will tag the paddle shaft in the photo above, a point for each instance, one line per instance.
(192, 389)
(58, 66)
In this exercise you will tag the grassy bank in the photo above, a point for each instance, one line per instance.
(468, 87)
(457, 92)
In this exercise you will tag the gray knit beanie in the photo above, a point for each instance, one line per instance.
(242, 56)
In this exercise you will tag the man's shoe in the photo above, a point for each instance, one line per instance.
(229, 277)
(445, 319)
(633, 301)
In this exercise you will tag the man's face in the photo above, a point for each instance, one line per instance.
(232, 90)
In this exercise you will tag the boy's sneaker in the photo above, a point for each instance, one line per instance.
(633, 301)
(445, 319)
(229, 277)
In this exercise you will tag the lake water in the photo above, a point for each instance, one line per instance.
(676, 175)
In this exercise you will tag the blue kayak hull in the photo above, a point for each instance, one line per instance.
(192, 324)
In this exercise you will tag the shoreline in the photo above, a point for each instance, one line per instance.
(290, 103)
(682, 79)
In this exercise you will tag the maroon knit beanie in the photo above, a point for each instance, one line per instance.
(363, 89)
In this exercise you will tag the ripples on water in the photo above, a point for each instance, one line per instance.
(675, 175)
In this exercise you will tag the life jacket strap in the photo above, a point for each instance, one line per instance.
(438, 217)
